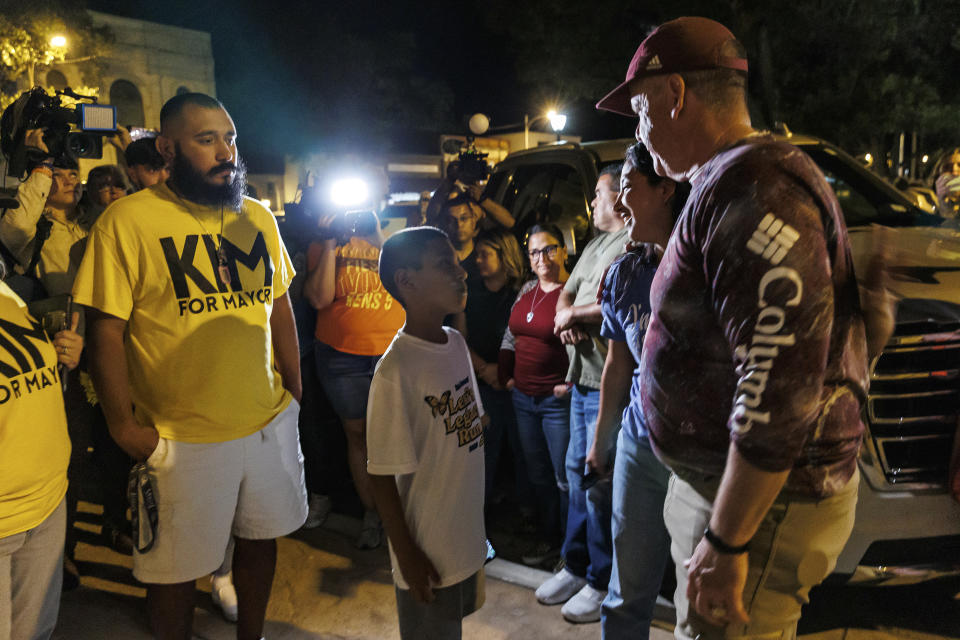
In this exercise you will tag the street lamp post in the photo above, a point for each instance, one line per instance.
(59, 44)
(557, 122)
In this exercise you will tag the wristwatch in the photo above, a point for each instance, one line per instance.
(723, 547)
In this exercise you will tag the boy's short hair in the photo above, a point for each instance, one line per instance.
(405, 250)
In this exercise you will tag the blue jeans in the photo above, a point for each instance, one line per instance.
(345, 378)
(543, 423)
(587, 547)
(498, 405)
(641, 545)
(31, 574)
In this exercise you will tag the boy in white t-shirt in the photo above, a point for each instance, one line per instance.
(425, 441)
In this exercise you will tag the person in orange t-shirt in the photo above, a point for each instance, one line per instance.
(356, 320)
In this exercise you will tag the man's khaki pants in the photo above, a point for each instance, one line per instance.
(795, 548)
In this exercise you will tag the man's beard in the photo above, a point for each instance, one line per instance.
(190, 183)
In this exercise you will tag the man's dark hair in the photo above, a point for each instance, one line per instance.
(639, 160)
(457, 201)
(720, 89)
(144, 152)
(613, 170)
(405, 250)
(175, 105)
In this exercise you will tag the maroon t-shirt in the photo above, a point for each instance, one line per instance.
(531, 354)
(756, 333)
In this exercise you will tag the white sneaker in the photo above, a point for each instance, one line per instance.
(224, 595)
(559, 587)
(585, 606)
(317, 511)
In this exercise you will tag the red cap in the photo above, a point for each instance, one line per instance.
(684, 44)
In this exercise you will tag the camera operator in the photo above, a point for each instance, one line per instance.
(460, 217)
(44, 234)
(494, 210)
(466, 177)
(356, 320)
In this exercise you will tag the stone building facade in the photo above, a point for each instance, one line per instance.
(147, 64)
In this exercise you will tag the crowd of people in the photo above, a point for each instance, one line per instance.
(690, 389)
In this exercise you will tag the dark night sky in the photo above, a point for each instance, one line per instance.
(277, 68)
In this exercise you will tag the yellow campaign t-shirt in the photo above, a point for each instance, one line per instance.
(199, 350)
(363, 317)
(34, 445)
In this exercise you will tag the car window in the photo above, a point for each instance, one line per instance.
(551, 192)
(863, 202)
(857, 209)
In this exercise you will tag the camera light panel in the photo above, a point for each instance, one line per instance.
(98, 117)
(349, 192)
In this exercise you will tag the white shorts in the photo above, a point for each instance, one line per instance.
(250, 488)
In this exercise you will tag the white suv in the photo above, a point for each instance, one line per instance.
(908, 526)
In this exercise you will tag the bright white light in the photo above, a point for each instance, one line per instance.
(557, 120)
(868, 158)
(265, 203)
(58, 41)
(349, 192)
(925, 159)
(403, 196)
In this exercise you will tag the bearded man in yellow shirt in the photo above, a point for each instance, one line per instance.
(191, 324)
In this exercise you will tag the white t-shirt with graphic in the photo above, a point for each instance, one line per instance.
(424, 427)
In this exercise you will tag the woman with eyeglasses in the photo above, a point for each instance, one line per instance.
(533, 364)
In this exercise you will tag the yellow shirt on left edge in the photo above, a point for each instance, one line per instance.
(199, 350)
(34, 445)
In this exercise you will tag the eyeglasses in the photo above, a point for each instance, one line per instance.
(549, 251)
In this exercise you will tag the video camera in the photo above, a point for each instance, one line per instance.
(348, 198)
(70, 132)
(471, 166)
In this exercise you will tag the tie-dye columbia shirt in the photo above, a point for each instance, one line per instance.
(756, 333)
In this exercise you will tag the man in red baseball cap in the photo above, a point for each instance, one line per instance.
(754, 363)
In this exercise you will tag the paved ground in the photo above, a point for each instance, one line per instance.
(325, 589)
